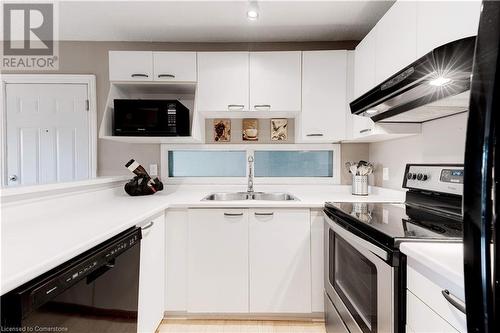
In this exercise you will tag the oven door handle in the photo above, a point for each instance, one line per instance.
(352, 238)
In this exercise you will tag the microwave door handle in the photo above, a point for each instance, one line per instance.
(351, 238)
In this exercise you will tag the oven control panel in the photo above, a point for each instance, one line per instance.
(441, 178)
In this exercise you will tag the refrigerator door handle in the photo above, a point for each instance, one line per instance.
(453, 300)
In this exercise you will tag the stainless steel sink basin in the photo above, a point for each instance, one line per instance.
(273, 196)
(227, 196)
(231, 196)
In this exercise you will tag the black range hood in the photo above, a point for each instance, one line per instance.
(434, 86)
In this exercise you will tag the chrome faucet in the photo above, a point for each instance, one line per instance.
(250, 175)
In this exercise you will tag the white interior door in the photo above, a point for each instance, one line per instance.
(48, 136)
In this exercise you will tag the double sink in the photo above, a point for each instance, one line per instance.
(232, 196)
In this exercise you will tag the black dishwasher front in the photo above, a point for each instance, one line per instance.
(96, 291)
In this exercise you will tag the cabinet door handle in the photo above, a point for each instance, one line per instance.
(233, 214)
(264, 214)
(139, 75)
(172, 76)
(455, 301)
(147, 226)
(259, 106)
(235, 106)
(365, 130)
(314, 134)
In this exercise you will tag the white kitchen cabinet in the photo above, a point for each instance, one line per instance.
(422, 319)
(440, 22)
(218, 261)
(176, 232)
(364, 64)
(280, 267)
(223, 81)
(317, 261)
(174, 66)
(130, 66)
(395, 41)
(152, 275)
(324, 91)
(275, 81)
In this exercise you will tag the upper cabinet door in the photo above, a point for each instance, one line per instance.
(396, 46)
(324, 105)
(440, 22)
(130, 65)
(364, 64)
(222, 81)
(275, 81)
(174, 66)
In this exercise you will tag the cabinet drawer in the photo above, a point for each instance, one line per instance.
(174, 66)
(431, 294)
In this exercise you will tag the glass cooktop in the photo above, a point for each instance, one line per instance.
(391, 224)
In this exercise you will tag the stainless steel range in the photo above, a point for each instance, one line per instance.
(364, 270)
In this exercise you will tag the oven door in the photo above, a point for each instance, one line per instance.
(358, 280)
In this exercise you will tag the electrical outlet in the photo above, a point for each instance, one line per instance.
(153, 170)
(385, 174)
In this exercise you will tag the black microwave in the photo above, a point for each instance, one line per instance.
(150, 117)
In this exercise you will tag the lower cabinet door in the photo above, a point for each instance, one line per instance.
(280, 264)
(152, 276)
(218, 261)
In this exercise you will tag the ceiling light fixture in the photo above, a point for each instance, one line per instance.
(439, 81)
(253, 11)
(371, 111)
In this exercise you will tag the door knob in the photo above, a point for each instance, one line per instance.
(13, 178)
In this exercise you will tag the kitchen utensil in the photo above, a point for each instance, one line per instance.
(353, 169)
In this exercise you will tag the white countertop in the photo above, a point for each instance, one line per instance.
(441, 262)
(38, 235)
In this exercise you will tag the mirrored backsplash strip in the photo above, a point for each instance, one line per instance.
(250, 130)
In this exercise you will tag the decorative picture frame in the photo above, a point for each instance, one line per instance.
(222, 130)
(250, 129)
(279, 129)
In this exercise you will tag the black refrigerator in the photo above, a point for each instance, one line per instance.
(480, 202)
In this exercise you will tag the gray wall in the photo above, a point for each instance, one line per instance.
(92, 58)
(441, 141)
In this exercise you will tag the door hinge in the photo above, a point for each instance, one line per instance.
(87, 104)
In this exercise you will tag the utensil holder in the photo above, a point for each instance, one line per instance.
(360, 185)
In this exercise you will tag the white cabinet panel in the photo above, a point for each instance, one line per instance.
(317, 262)
(223, 81)
(130, 65)
(280, 267)
(440, 22)
(364, 64)
(275, 81)
(174, 66)
(218, 261)
(395, 46)
(176, 230)
(152, 276)
(324, 89)
(422, 319)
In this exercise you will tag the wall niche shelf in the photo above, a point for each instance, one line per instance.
(185, 92)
